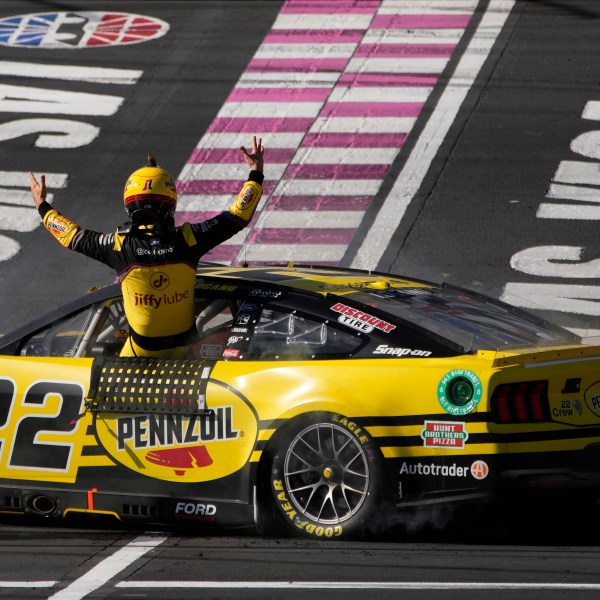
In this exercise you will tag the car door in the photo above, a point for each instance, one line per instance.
(43, 388)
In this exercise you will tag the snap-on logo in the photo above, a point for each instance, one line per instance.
(389, 351)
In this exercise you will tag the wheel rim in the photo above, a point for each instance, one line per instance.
(326, 473)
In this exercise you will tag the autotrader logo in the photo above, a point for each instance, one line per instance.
(480, 469)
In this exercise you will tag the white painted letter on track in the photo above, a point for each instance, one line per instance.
(587, 144)
(555, 261)
(581, 299)
(54, 133)
(19, 99)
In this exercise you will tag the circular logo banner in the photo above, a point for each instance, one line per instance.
(480, 469)
(81, 29)
(459, 392)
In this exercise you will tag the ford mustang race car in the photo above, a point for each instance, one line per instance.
(316, 401)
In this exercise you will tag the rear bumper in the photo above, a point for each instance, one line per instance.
(565, 478)
(550, 486)
(52, 502)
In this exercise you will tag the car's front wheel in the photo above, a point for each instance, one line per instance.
(327, 480)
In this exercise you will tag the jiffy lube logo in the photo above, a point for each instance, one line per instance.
(183, 448)
(156, 301)
(159, 280)
(459, 392)
(79, 29)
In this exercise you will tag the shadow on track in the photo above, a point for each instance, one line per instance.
(539, 526)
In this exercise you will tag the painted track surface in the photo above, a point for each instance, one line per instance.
(511, 208)
(135, 101)
(447, 140)
(105, 562)
(335, 88)
(481, 179)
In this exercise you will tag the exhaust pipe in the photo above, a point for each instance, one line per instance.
(41, 505)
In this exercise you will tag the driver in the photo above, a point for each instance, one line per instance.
(154, 260)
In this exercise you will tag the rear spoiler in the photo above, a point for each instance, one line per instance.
(503, 358)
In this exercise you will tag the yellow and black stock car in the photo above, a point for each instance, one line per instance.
(316, 401)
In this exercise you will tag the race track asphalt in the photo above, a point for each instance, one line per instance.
(507, 206)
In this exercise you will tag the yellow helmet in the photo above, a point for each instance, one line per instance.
(150, 194)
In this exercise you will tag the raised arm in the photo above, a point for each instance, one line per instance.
(254, 159)
(38, 189)
(247, 200)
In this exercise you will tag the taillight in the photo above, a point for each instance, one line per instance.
(524, 402)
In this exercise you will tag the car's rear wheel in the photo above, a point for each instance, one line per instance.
(326, 479)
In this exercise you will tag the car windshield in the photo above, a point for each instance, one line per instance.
(464, 319)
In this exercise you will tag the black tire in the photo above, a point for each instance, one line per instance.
(327, 480)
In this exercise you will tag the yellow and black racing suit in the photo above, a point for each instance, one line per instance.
(156, 268)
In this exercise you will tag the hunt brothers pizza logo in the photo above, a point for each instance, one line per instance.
(444, 434)
(182, 448)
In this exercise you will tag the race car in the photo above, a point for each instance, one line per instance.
(316, 401)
